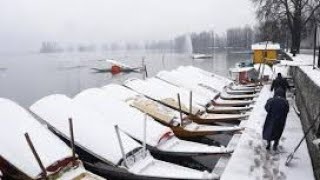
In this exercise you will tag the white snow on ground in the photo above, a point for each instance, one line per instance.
(251, 160)
(301, 60)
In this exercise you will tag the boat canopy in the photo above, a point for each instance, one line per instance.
(97, 137)
(197, 98)
(120, 92)
(178, 79)
(217, 83)
(15, 122)
(162, 94)
(206, 73)
(118, 112)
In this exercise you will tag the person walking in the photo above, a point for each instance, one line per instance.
(280, 82)
(277, 109)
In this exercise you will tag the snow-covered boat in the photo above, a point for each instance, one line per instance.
(231, 84)
(20, 132)
(198, 98)
(116, 67)
(169, 117)
(195, 112)
(142, 127)
(109, 150)
(210, 87)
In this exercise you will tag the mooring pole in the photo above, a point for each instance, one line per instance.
(314, 46)
(36, 155)
(145, 134)
(121, 145)
(72, 141)
(180, 109)
(190, 103)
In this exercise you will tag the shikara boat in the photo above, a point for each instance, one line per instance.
(116, 67)
(109, 151)
(196, 113)
(28, 150)
(200, 85)
(201, 100)
(230, 83)
(141, 126)
(167, 116)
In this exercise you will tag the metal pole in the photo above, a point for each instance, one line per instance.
(36, 155)
(314, 46)
(145, 134)
(180, 109)
(190, 103)
(72, 141)
(121, 146)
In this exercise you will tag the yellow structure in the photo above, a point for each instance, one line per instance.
(265, 52)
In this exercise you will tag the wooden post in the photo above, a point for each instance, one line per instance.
(314, 46)
(190, 103)
(72, 141)
(180, 109)
(121, 145)
(145, 134)
(36, 155)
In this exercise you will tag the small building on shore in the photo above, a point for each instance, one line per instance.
(265, 52)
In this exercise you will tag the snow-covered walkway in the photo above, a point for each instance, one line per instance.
(251, 160)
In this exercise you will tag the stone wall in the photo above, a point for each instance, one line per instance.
(307, 97)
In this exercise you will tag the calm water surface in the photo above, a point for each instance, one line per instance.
(25, 78)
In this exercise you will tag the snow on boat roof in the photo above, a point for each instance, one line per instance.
(119, 92)
(207, 73)
(159, 93)
(265, 46)
(15, 122)
(201, 100)
(204, 74)
(200, 78)
(128, 95)
(98, 138)
(173, 77)
(129, 119)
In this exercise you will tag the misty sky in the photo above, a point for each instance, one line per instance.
(24, 24)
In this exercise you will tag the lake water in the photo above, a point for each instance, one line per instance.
(25, 78)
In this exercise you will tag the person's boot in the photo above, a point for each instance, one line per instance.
(275, 145)
(268, 146)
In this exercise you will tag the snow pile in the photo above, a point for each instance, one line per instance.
(314, 74)
(251, 160)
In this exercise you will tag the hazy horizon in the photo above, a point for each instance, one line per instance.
(26, 23)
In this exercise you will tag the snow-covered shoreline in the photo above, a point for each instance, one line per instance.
(251, 160)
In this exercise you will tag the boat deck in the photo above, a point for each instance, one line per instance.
(250, 159)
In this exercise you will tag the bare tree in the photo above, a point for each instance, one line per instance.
(297, 13)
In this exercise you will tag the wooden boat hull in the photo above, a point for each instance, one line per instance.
(228, 110)
(182, 133)
(212, 118)
(237, 97)
(231, 103)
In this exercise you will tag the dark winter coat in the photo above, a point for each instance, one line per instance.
(280, 82)
(277, 108)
